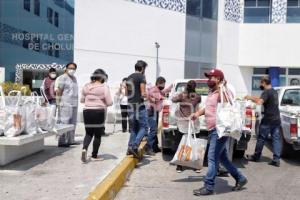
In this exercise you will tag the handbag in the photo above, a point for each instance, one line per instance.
(191, 150)
(230, 117)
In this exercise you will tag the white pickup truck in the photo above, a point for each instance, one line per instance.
(170, 136)
(289, 106)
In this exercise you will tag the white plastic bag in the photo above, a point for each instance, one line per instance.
(14, 117)
(46, 115)
(230, 116)
(191, 150)
(30, 107)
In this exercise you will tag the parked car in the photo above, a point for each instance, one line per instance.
(169, 131)
(289, 106)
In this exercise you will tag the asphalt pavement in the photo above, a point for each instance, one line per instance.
(156, 179)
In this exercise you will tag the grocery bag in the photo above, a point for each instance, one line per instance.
(14, 117)
(230, 116)
(191, 150)
(2, 112)
(46, 115)
(30, 108)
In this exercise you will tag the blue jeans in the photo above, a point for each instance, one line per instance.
(217, 152)
(138, 124)
(152, 123)
(264, 130)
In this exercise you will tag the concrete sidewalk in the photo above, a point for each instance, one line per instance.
(57, 173)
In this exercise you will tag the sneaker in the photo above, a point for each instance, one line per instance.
(95, 158)
(179, 169)
(198, 171)
(203, 192)
(239, 185)
(149, 152)
(134, 152)
(83, 156)
(252, 158)
(274, 163)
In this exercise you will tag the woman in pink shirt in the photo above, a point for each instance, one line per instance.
(96, 98)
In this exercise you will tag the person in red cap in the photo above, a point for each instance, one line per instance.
(217, 151)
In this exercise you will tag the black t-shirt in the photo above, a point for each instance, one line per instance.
(134, 82)
(271, 107)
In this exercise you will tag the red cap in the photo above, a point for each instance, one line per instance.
(215, 73)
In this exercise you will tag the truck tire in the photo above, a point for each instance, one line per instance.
(287, 148)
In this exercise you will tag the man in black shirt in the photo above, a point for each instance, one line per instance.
(136, 92)
(270, 122)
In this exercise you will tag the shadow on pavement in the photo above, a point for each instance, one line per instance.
(108, 157)
(143, 162)
(189, 179)
(38, 158)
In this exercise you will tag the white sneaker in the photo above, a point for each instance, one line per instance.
(83, 156)
(98, 158)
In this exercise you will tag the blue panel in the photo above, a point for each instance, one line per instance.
(274, 73)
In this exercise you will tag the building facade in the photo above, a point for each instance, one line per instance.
(35, 35)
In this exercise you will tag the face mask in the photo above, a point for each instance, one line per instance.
(211, 84)
(161, 88)
(71, 72)
(261, 87)
(53, 75)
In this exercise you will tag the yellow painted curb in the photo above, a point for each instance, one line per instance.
(112, 184)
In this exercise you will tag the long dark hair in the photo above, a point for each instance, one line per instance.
(191, 87)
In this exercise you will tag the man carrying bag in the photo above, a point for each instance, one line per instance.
(217, 149)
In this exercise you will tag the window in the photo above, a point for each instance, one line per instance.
(293, 11)
(257, 11)
(294, 71)
(291, 97)
(37, 7)
(209, 9)
(265, 71)
(26, 4)
(50, 15)
(26, 40)
(194, 8)
(50, 49)
(56, 19)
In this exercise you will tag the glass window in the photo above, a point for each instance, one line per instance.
(291, 97)
(50, 15)
(50, 49)
(257, 15)
(294, 71)
(201, 87)
(263, 3)
(292, 3)
(37, 7)
(265, 71)
(293, 15)
(250, 3)
(26, 4)
(56, 19)
(194, 8)
(26, 40)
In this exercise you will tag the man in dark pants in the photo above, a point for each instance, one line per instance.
(136, 92)
(270, 123)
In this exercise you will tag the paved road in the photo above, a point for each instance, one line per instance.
(156, 179)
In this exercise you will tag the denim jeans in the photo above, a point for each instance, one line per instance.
(264, 130)
(152, 135)
(217, 152)
(137, 123)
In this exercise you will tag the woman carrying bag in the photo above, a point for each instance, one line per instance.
(96, 97)
(188, 102)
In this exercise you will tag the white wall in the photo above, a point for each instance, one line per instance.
(114, 34)
(269, 45)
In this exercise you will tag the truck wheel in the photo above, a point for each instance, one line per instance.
(287, 148)
(239, 153)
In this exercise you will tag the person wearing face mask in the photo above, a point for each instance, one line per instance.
(67, 101)
(156, 95)
(136, 92)
(48, 86)
(217, 151)
(188, 103)
(270, 122)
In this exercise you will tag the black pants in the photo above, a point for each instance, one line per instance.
(124, 113)
(94, 122)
